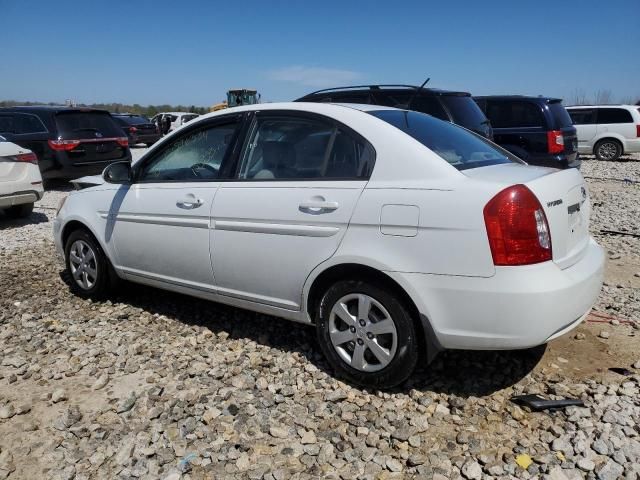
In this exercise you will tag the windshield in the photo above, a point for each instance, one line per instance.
(460, 148)
(75, 124)
(130, 119)
(560, 115)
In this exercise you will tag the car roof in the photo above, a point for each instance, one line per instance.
(50, 108)
(621, 105)
(386, 89)
(537, 98)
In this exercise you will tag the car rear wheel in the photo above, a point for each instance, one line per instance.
(608, 150)
(19, 211)
(367, 334)
(90, 273)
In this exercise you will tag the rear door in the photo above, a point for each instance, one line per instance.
(616, 120)
(100, 139)
(584, 119)
(287, 208)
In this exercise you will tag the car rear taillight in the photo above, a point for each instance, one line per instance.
(27, 157)
(638, 131)
(133, 129)
(555, 141)
(123, 141)
(63, 145)
(517, 228)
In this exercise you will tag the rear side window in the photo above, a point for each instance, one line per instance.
(286, 148)
(21, 124)
(560, 116)
(614, 115)
(460, 148)
(582, 116)
(86, 125)
(514, 114)
(464, 111)
(421, 103)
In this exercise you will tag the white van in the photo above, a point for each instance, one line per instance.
(607, 131)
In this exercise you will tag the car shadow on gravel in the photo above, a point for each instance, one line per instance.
(7, 223)
(461, 373)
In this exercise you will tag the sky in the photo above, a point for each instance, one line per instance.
(191, 52)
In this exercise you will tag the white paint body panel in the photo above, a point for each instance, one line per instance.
(625, 133)
(20, 182)
(417, 220)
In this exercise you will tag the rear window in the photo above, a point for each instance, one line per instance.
(460, 148)
(514, 114)
(614, 115)
(464, 111)
(130, 119)
(560, 115)
(20, 124)
(86, 125)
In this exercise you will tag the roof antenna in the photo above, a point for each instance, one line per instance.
(407, 106)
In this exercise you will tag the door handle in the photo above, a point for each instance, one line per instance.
(189, 202)
(316, 206)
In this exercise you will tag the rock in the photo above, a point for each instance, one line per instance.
(7, 411)
(101, 382)
(610, 471)
(393, 465)
(309, 437)
(471, 470)
(279, 432)
(210, 415)
(579, 336)
(127, 403)
(604, 334)
(556, 473)
(585, 464)
(69, 417)
(416, 459)
(58, 395)
(125, 452)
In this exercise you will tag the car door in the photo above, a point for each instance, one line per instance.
(160, 223)
(584, 119)
(287, 208)
(617, 121)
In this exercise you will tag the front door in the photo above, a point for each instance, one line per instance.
(161, 222)
(286, 210)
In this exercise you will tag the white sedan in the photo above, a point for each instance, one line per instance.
(20, 180)
(394, 233)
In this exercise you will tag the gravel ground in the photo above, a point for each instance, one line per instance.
(158, 385)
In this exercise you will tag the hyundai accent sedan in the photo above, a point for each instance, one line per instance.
(396, 234)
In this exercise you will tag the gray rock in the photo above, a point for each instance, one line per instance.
(610, 471)
(471, 470)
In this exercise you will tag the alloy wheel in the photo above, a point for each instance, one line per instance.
(83, 264)
(362, 332)
(608, 150)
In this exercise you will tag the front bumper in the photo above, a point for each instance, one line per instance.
(518, 307)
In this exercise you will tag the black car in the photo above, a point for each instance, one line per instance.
(69, 142)
(537, 129)
(455, 107)
(138, 128)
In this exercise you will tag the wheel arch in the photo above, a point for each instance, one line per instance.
(611, 137)
(76, 224)
(319, 283)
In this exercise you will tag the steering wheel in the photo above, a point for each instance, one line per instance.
(206, 166)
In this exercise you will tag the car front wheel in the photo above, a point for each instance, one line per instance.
(608, 150)
(89, 270)
(367, 334)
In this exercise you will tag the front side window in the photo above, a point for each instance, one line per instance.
(460, 148)
(286, 148)
(196, 156)
(614, 115)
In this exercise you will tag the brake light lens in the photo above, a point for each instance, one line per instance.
(63, 145)
(517, 228)
(555, 141)
(123, 141)
(638, 131)
(133, 129)
(27, 157)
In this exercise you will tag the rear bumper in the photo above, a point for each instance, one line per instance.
(63, 167)
(144, 138)
(20, 198)
(518, 307)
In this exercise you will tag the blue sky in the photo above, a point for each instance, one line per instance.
(191, 52)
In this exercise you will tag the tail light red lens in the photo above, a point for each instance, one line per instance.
(517, 228)
(555, 141)
(63, 145)
(638, 131)
(133, 129)
(27, 157)
(123, 141)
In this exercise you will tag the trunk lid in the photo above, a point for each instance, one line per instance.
(564, 198)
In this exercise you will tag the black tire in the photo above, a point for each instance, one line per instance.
(403, 361)
(19, 211)
(608, 150)
(104, 279)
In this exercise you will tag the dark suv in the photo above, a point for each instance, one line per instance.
(69, 142)
(537, 129)
(455, 107)
(138, 128)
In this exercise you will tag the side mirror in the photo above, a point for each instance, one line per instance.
(118, 172)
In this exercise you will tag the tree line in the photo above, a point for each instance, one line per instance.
(146, 110)
(601, 97)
